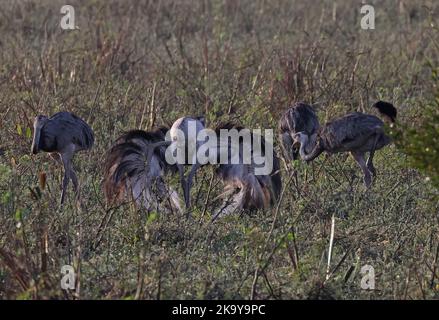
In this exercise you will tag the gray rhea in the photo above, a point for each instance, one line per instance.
(135, 165)
(357, 133)
(301, 117)
(62, 135)
(244, 190)
(186, 147)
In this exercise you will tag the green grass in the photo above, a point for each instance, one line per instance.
(137, 64)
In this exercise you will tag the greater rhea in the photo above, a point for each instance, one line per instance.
(301, 117)
(62, 135)
(135, 166)
(357, 133)
(243, 188)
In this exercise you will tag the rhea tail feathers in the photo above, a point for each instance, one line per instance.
(130, 172)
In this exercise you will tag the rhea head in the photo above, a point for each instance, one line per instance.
(299, 139)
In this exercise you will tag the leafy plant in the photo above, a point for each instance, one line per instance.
(419, 139)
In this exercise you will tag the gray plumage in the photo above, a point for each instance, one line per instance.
(62, 135)
(243, 189)
(135, 166)
(299, 118)
(357, 133)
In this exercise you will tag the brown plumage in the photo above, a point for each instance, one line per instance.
(357, 133)
(134, 169)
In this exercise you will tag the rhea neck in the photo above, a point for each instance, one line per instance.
(309, 143)
(38, 125)
(309, 149)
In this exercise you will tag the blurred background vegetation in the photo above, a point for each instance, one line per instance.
(138, 64)
(420, 140)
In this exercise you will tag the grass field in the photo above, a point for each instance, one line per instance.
(139, 64)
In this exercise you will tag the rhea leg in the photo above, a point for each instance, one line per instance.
(190, 177)
(66, 160)
(359, 157)
(370, 166)
(74, 180)
(369, 162)
(182, 181)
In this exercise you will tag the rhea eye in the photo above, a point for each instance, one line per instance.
(174, 138)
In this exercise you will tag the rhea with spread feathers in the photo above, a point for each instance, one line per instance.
(301, 117)
(357, 133)
(244, 190)
(62, 135)
(134, 168)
